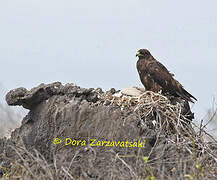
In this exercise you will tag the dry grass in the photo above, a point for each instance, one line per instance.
(211, 121)
(153, 106)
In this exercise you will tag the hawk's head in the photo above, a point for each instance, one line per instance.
(143, 53)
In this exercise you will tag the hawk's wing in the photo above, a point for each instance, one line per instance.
(161, 76)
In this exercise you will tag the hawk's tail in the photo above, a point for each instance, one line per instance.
(187, 96)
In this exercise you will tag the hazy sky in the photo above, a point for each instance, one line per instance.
(93, 43)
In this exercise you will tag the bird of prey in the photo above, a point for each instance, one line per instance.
(155, 77)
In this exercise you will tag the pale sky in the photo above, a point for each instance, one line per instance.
(93, 43)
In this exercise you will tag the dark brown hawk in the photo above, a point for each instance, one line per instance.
(155, 77)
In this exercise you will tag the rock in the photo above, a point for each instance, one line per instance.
(112, 91)
(70, 111)
(77, 115)
(30, 99)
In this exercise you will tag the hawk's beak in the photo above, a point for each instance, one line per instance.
(137, 54)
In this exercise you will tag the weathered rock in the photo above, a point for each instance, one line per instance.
(30, 99)
(71, 112)
(58, 111)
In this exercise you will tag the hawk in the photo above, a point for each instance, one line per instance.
(155, 77)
